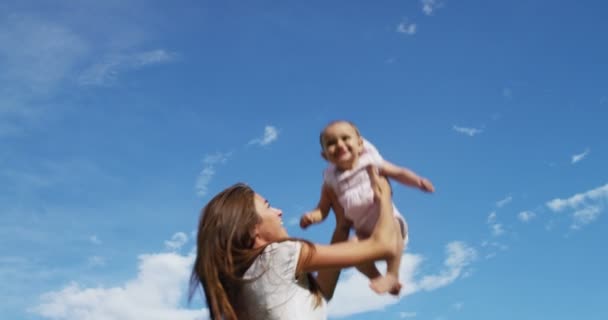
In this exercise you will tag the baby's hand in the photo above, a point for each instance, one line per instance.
(306, 220)
(426, 185)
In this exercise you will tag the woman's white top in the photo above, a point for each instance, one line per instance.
(274, 292)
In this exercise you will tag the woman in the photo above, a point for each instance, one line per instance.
(250, 269)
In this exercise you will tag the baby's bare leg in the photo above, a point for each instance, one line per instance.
(390, 282)
(369, 270)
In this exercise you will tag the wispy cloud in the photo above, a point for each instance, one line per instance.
(458, 306)
(578, 157)
(586, 207)
(42, 58)
(526, 216)
(468, 131)
(94, 240)
(429, 6)
(405, 315)
(96, 261)
(504, 202)
(38, 54)
(406, 28)
(157, 293)
(37, 58)
(70, 174)
(209, 163)
(270, 135)
(491, 217)
(492, 246)
(459, 256)
(177, 241)
(507, 93)
(497, 229)
(353, 294)
(105, 72)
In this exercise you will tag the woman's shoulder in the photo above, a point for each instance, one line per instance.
(285, 248)
(281, 257)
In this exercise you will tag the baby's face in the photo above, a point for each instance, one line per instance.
(342, 145)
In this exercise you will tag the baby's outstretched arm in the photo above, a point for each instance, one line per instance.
(320, 212)
(406, 177)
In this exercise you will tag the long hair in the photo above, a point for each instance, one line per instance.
(225, 250)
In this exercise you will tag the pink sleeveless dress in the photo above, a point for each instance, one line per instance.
(354, 192)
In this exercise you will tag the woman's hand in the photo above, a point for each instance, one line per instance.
(379, 185)
(384, 231)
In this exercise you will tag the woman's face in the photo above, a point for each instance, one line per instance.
(270, 228)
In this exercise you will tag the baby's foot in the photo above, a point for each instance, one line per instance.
(388, 283)
(395, 290)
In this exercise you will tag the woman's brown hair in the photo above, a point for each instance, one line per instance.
(225, 249)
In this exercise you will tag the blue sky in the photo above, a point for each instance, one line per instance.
(119, 120)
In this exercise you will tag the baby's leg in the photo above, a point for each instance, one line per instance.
(390, 282)
(368, 269)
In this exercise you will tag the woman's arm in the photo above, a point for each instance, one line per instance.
(380, 245)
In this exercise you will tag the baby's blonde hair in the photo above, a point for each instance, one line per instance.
(322, 135)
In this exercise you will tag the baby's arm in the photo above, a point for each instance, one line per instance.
(406, 177)
(320, 212)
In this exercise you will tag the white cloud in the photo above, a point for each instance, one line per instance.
(578, 157)
(96, 261)
(585, 216)
(37, 54)
(294, 221)
(209, 163)
(404, 315)
(155, 294)
(468, 131)
(503, 202)
(578, 200)
(353, 294)
(459, 256)
(152, 57)
(36, 58)
(105, 72)
(94, 239)
(586, 206)
(526, 216)
(492, 217)
(177, 241)
(407, 28)
(270, 135)
(491, 247)
(497, 229)
(429, 6)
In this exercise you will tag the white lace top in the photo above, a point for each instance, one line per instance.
(277, 294)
